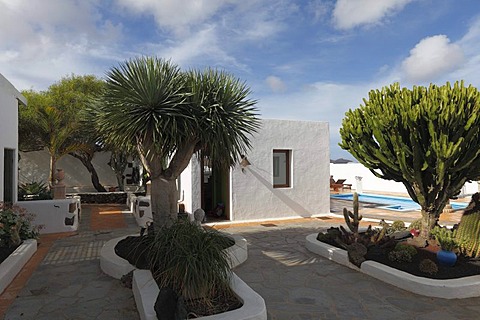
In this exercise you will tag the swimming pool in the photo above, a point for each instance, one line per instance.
(390, 202)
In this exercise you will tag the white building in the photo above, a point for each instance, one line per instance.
(10, 99)
(284, 175)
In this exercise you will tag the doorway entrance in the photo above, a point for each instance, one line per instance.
(9, 175)
(215, 191)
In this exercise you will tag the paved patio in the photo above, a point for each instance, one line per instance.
(296, 284)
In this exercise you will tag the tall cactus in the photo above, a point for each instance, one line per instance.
(468, 232)
(426, 138)
(352, 219)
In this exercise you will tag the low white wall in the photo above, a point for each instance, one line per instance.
(35, 166)
(15, 262)
(371, 183)
(54, 216)
(253, 195)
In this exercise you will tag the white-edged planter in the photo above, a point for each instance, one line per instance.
(116, 266)
(467, 287)
(14, 263)
(145, 289)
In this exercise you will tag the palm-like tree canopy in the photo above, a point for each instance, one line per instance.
(167, 116)
(144, 105)
(149, 103)
(225, 117)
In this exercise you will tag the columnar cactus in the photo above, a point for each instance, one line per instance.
(426, 138)
(353, 219)
(468, 232)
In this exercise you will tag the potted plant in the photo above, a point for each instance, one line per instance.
(446, 239)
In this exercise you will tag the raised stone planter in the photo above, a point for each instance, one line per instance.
(467, 287)
(145, 291)
(116, 266)
(145, 288)
(11, 266)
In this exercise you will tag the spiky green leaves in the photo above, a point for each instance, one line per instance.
(426, 138)
(143, 104)
(224, 114)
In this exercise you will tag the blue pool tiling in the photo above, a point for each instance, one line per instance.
(390, 203)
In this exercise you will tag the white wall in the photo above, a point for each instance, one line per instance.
(371, 183)
(191, 185)
(253, 195)
(9, 98)
(50, 215)
(35, 166)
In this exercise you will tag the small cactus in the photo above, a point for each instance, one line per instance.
(397, 225)
(468, 232)
(353, 219)
(400, 256)
(417, 224)
(402, 253)
(445, 237)
(428, 266)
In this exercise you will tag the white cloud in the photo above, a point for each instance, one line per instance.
(275, 84)
(44, 41)
(431, 58)
(202, 48)
(352, 13)
(319, 9)
(176, 15)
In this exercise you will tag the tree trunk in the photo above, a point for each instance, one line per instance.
(91, 169)
(429, 220)
(119, 176)
(163, 201)
(53, 166)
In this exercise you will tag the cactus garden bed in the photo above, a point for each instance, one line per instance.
(464, 267)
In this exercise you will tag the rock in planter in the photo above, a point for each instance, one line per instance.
(168, 306)
(356, 253)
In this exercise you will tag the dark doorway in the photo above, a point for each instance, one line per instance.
(9, 175)
(215, 191)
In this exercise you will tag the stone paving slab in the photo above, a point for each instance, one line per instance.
(297, 284)
(69, 284)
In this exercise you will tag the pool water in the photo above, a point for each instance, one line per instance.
(390, 202)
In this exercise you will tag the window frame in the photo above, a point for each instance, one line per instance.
(288, 168)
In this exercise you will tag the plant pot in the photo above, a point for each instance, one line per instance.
(446, 258)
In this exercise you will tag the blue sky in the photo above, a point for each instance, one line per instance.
(306, 60)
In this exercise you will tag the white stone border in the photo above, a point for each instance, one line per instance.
(14, 263)
(145, 289)
(116, 266)
(461, 288)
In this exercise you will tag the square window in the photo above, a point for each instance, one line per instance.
(281, 168)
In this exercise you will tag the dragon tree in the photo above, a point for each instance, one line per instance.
(426, 138)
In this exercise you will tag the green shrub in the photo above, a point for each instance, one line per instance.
(191, 260)
(428, 266)
(15, 225)
(34, 191)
